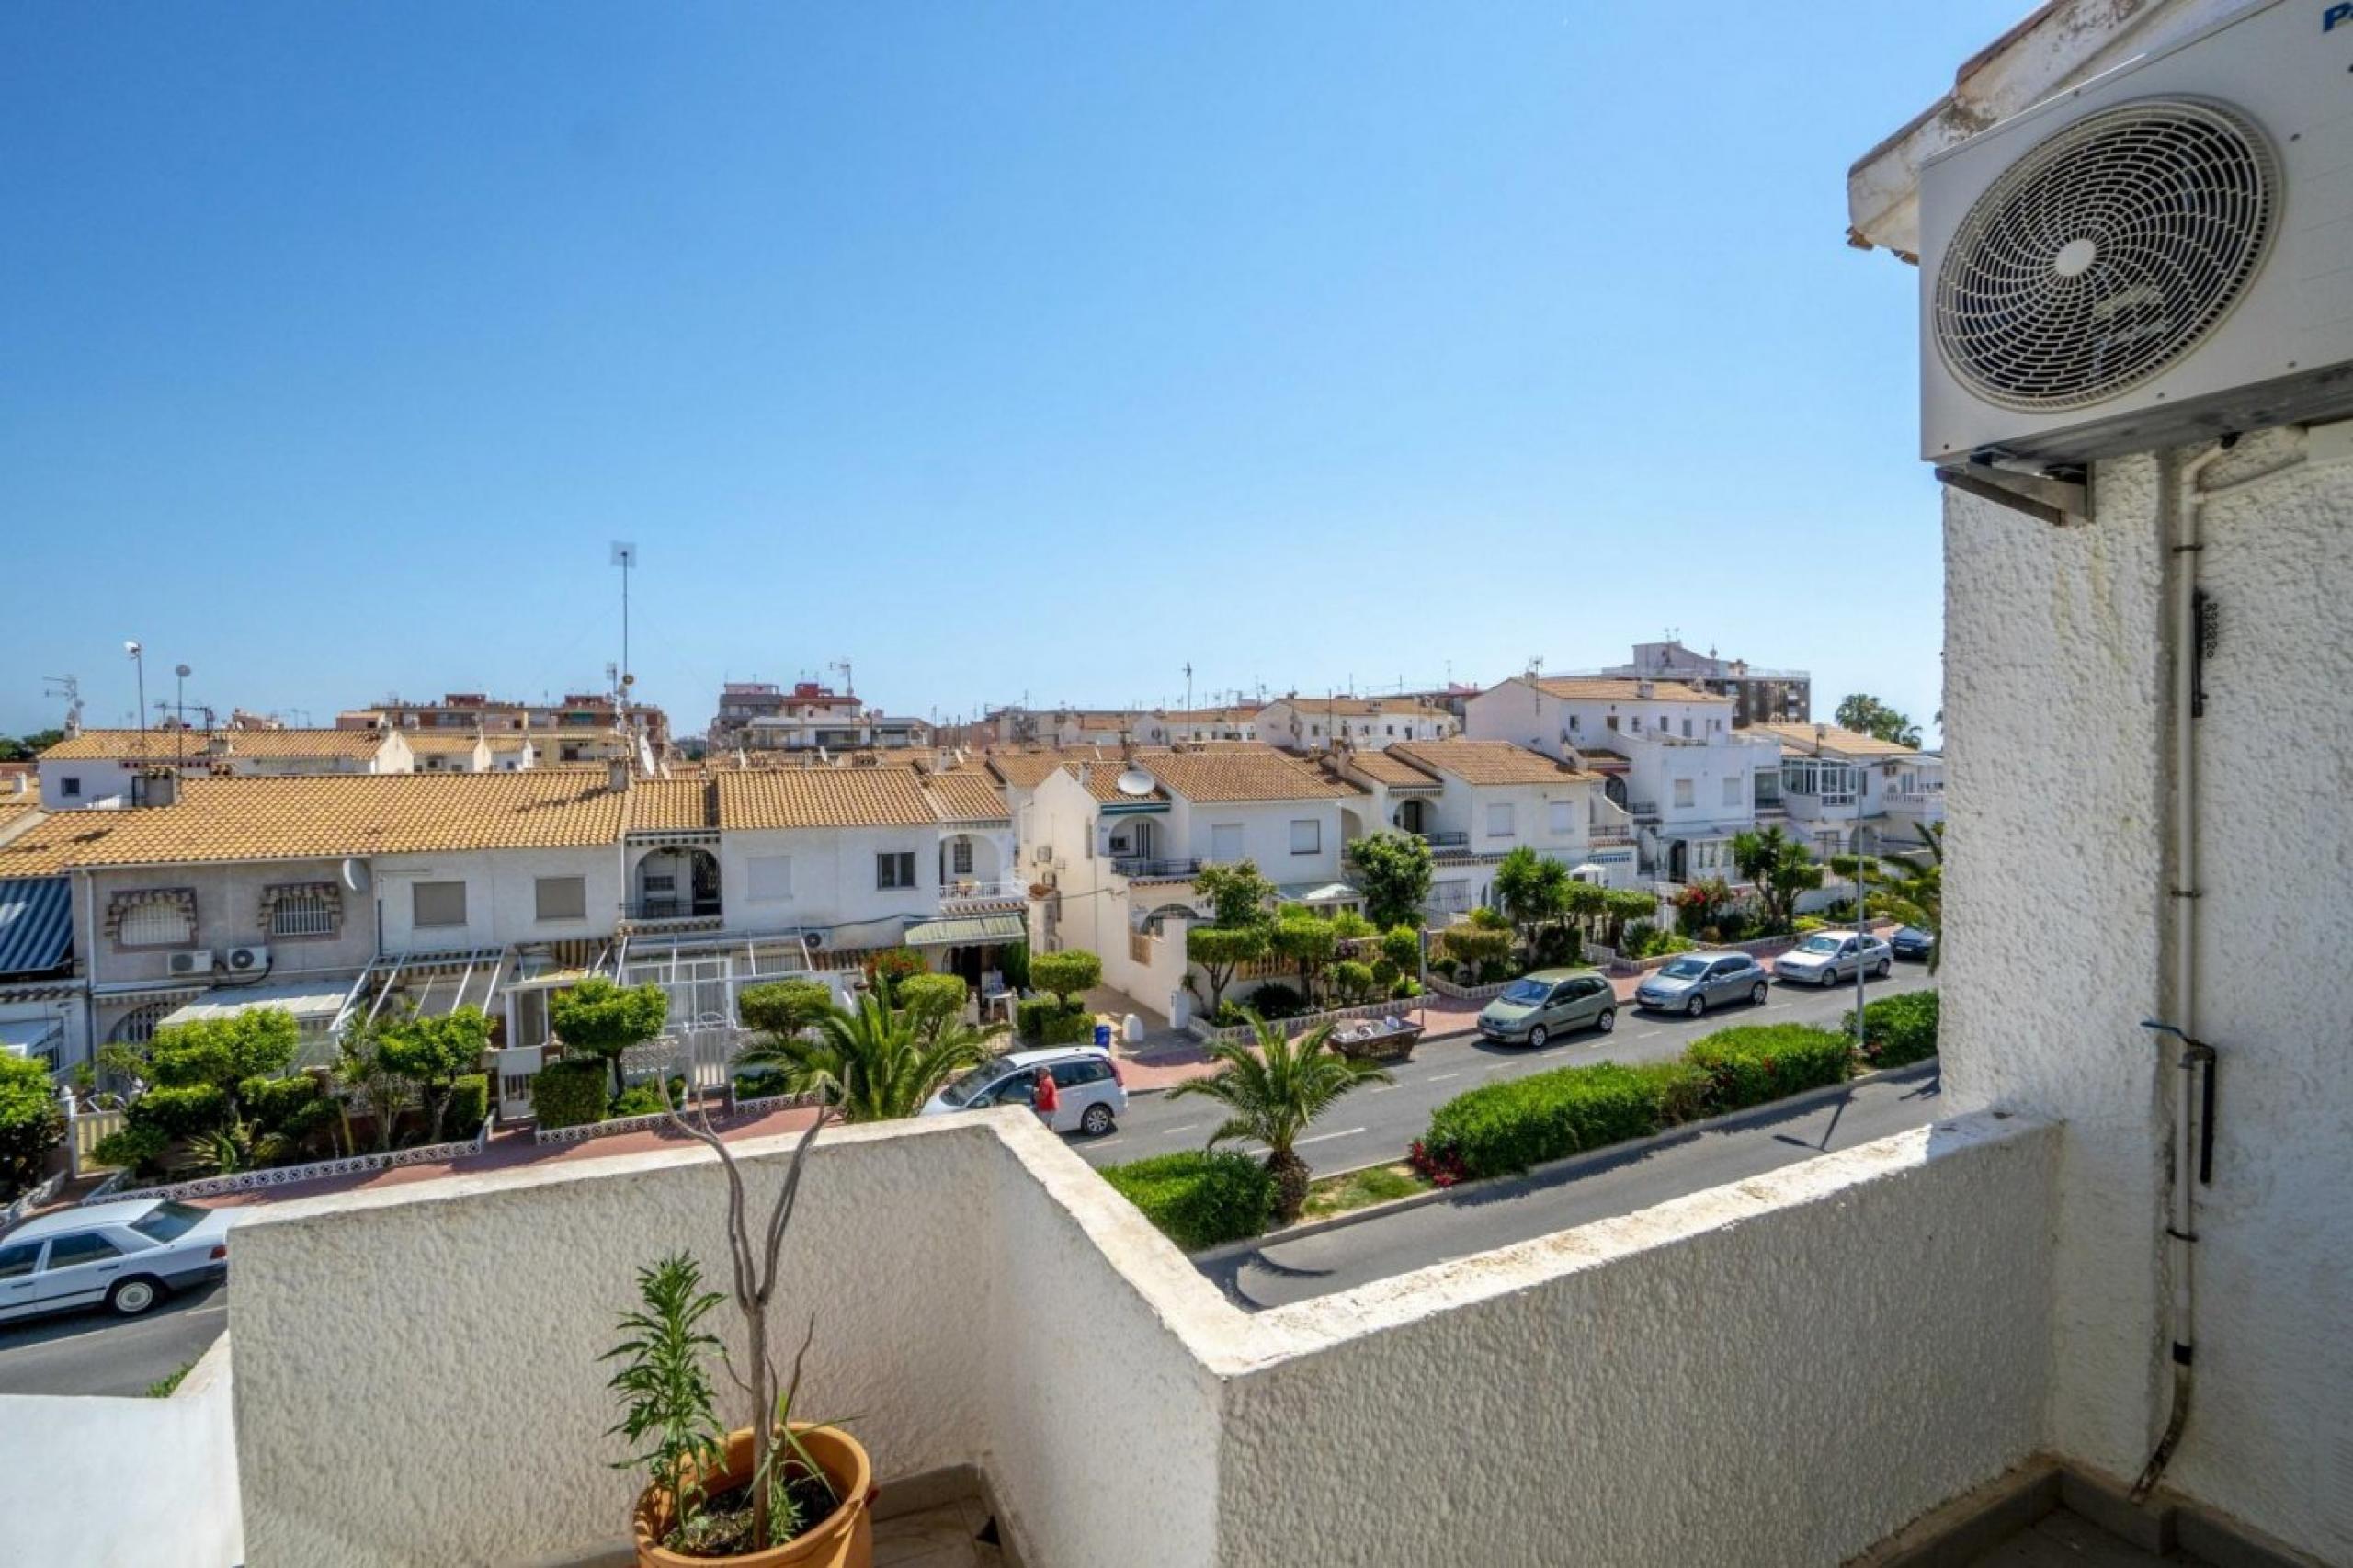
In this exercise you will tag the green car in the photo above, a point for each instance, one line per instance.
(1550, 1002)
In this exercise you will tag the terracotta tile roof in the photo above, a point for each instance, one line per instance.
(1101, 779)
(1390, 769)
(823, 797)
(1607, 688)
(1832, 739)
(966, 795)
(1235, 715)
(672, 805)
(14, 806)
(194, 745)
(327, 817)
(1486, 762)
(448, 742)
(1364, 707)
(1241, 773)
(1027, 769)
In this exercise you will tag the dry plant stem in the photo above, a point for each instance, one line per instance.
(755, 1281)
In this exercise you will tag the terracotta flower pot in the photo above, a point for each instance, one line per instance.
(843, 1538)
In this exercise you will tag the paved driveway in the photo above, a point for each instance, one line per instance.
(97, 1353)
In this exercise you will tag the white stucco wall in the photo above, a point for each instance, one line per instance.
(834, 877)
(2054, 647)
(502, 898)
(123, 1482)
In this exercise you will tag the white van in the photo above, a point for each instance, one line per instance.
(1088, 1096)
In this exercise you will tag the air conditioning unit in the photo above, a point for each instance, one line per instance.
(195, 961)
(2154, 258)
(812, 941)
(245, 960)
(1043, 854)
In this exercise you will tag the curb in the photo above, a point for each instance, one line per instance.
(1225, 1250)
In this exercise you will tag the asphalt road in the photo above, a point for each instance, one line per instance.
(1575, 1193)
(1376, 1123)
(97, 1353)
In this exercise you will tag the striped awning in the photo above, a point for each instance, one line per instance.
(963, 931)
(36, 923)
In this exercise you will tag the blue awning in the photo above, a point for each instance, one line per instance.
(36, 923)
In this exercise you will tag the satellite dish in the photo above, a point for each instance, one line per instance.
(1135, 781)
(354, 875)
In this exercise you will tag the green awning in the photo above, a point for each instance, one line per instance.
(966, 931)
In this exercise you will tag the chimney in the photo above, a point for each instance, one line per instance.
(1644, 688)
(155, 786)
(618, 776)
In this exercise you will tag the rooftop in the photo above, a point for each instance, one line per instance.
(164, 745)
(1486, 762)
(1602, 688)
(1830, 740)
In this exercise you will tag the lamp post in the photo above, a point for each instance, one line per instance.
(139, 659)
(1862, 925)
(179, 711)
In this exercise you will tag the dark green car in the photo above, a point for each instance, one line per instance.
(1550, 1002)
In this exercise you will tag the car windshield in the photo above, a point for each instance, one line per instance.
(962, 1090)
(1684, 969)
(1526, 992)
(167, 1223)
(1819, 943)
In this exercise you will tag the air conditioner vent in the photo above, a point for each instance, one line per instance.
(2106, 253)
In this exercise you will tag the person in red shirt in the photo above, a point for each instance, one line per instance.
(1045, 1101)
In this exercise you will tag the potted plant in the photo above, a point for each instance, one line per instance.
(773, 1491)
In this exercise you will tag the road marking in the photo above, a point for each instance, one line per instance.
(1384, 1088)
(1104, 1142)
(1440, 1077)
(1501, 1067)
(1326, 1137)
(1647, 1034)
(1188, 1127)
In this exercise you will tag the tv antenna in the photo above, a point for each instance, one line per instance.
(849, 684)
(70, 689)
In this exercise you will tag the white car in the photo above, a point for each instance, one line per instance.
(125, 1256)
(1088, 1096)
(1828, 957)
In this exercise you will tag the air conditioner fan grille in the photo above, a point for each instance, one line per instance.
(2106, 253)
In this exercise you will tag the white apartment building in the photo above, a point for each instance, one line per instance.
(1670, 753)
(1759, 695)
(1475, 802)
(1318, 723)
(1837, 784)
(94, 768)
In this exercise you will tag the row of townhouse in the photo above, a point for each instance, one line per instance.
(333, 893)
(95, 768)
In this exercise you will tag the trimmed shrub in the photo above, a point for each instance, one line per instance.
(1275, 1000)
(469, 1103)
(1067, 973)
(131, 1148)
(1402, 946)
(570, 1093)
(31, 1124)
(177, 1111)
(784, 1007)
(271, 1104)
(646, 1099)
(1014, 962)
(1198, 1199)
(1897, 1029)
(1047, 1020)
(1511, 1126)
(932, 998)
(759, 1083)
(1353, 979)
(1755, 1063)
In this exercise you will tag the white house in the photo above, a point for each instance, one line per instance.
(94, 767)
(1837, 782)
(1670, 754)
(1318, 723)
(1475, 802)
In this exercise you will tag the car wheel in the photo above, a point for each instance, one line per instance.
(1537, 1037)
(1697, 1006)
(1884, 965)
(1096, 1121)
(131, 1297)
(1829, 976)
(1608, 1021)
(1757, 994)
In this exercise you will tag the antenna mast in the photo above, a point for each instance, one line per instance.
(70, 689)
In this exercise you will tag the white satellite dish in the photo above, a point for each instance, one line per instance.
(356, 875)
(1135, 781)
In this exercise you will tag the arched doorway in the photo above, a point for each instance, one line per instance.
(1413, 816)
(674, 882)
(1614, 786)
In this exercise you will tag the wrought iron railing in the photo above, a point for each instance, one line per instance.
(671, 908)
(1446, 840)
(1141, 866)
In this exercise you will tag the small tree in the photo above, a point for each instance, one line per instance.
(934, 1001)
(1271, 1088)
(1779, 868)
(783, 1009)
(1307, 942)
(1473, 948)
(1870, 716)
(1236, 893)
(1392, 871)
(1222, 949)
(433, 1054)
(605, 1019)
(31, 1124)
(1533, 892)
(222, 1053)
(1069, 974)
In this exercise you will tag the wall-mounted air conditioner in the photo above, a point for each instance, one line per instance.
(245, 960)
(192, 962)
(2154, 258)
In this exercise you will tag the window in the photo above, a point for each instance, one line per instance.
(561, 898)
(1564, 820)
(768, 878)
(1687, 729)
(1573, 722)
(168, 1221)
(1225, 842)
(157, 920)
(302, 912)
(1307, 836)
(895, 868)
(438, 904)
(1732, 795)
(70, 788)
(959, 858)
(17, 1261)
(1500, 819)
(1682, 793)
(1638, 723)
(65, 1252)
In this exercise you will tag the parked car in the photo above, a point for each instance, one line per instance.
(1697, 982)
(1537, 1007)
(125, 1256)
(1088, 1096)
(1911, 942)
(1828, 957)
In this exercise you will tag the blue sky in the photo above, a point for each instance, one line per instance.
(1006, 350)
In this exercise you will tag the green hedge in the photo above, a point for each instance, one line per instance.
(1043, 1020)
(1897, 1029)
(180, 1110)
(469, 1103)
(1549, 1116)
(1198, 1199)
(571, 1093)
(1758, 1062)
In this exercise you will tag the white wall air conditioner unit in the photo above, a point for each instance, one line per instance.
(2160, 255)
(195, 961)
(812, 941)
(245, 960)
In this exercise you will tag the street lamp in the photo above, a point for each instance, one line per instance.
(139, 658)
(179, 710)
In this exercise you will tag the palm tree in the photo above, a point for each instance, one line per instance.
(1271, 1088)
(1780, 868)
(1912, 884)
(878, 1062)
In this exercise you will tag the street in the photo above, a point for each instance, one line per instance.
(1576, 1192)
(97, 1353)
(1376, 1123)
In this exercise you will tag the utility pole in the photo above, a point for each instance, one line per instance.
(1862, 925)
(139, 658)
(70, 689)
(625, 557)
(179, 705)
(1189, 685)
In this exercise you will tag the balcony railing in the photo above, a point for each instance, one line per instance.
(1143, 866)
(670, 907)
(968, 889)
(1445, 840)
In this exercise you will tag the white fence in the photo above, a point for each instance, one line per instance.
(287, 1176)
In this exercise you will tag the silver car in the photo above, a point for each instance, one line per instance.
(1828, 957)
(124, 1257)
(1697, 982)
(1088, 1095)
